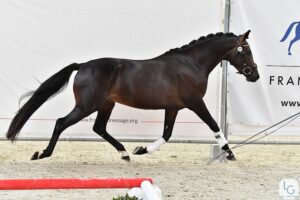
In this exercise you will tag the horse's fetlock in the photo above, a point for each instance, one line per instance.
(225, 147)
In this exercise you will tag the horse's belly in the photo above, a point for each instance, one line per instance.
(146, 89)
(146, 101)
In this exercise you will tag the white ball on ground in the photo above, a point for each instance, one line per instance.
(157, 191)
(136, 192)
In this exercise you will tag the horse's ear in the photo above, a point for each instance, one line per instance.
(245, 36)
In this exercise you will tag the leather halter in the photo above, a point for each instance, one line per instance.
(247, 69)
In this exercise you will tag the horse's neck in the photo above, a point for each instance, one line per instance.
(213, 52)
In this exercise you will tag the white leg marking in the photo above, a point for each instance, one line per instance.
(220, 139)
(155, 145)
(124, 153)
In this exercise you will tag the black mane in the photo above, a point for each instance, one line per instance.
(199, 40)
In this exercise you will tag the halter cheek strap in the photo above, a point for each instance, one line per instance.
(247, 71)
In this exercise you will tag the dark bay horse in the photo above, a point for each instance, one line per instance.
(172, 81)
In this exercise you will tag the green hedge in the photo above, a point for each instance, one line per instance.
(125, 198)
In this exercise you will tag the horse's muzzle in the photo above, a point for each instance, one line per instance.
(253, 78)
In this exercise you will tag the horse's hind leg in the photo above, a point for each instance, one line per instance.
(170, 116)
(61, 124)
(100, 128)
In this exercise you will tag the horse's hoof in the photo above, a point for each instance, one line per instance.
(126, 158)
(139, 151)
(35, 156)
(231, 157)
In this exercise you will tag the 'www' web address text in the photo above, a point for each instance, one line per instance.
(290, 103)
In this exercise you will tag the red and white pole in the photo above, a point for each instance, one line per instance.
(70, 183)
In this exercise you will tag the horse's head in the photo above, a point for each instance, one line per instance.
(241, 58)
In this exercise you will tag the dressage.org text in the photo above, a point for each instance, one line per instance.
(113, 120)
(290, 103)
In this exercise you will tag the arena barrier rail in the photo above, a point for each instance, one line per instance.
(148, 191)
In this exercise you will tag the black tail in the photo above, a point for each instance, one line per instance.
(47, 89)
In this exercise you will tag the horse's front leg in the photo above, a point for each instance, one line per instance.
(199, 107)
(170, 116)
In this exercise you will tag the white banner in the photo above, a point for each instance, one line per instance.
(38, 38)
(276, 95)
